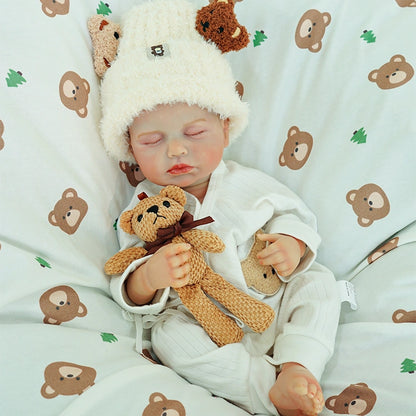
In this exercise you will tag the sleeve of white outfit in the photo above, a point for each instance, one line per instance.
(292, 217)
(119, 294)
(308, 320)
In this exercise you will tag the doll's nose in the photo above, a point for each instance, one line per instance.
(176, 147)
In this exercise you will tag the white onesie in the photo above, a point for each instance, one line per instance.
(241, 201)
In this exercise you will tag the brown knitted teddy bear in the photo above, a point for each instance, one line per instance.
(161, 219)
(105, 36)
(218, 23)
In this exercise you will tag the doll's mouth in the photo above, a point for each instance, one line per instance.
(180, 169)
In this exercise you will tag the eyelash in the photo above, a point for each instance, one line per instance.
(198, 133)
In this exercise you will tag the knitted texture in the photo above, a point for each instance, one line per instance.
(261, 278)
(217, 22)
(162, 59)
(105, 37)
(163, 211)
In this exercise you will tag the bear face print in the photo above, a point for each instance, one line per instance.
(393, 74)
(1, 135)
(105, 36)
(370, 203)
(261, 278)
(53, 7)
(296, 149)
(381, 251)
(401, 316)
(61, 304)
(406, 3)
(217, 22)
(133, 172)
(67, 379)
(74, 91)
(159, 405)
(68, 212)
(311, 30)
(356, 399)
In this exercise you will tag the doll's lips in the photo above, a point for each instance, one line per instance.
(180, 169)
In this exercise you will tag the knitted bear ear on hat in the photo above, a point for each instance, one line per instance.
(218, 23)
(105, 36)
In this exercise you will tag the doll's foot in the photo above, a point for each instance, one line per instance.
(297, 392)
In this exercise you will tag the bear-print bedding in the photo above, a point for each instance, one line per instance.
(331, 90)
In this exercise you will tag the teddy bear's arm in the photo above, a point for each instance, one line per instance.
(204, 240)
(120, 261)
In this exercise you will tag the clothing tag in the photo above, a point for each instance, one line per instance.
(158, 51)
(347, 293)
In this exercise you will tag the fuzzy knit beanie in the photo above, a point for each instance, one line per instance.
(163, 59)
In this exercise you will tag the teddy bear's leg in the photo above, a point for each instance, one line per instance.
(254, 313)
(221, 328)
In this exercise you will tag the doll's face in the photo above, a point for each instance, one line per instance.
(179, 145)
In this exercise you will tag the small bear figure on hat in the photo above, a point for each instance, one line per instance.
(105, 36)
(218, 23)
(162, 219)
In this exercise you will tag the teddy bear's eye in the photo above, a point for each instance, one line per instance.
(116, 35)
(220, 29)
(139, 218)
(166, 204)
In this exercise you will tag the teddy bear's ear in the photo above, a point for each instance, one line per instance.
(125, 222)
(174, 192)
(105, 37)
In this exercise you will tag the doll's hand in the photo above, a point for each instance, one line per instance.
(168, 267)
(283, 253)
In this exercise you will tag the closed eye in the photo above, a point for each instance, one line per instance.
(149, 140)
(195, 133)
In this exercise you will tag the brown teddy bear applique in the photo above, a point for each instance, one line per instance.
(218, 23)
(370, 203)
(401, 316)
(382, 250)
(296, 149)
(67, 379)
(74, 91)
(311, 30)
(261, 278)
(393, 74)
(356, 399)
(162, 219)
(132, 171)
(68, 212)
(159, 405)
(406, 3)
(105, 37)
(52, 7)
(61, 304)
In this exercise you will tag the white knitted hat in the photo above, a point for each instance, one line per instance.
(162, 59)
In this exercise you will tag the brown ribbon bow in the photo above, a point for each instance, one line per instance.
(166, 235)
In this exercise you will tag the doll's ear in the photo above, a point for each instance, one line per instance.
(105, 37)
(175, 193)
(125, 222)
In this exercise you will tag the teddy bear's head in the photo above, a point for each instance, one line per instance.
(105, 36)
(154, 213)
(218, 23)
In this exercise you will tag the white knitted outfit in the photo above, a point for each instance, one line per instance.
(241, 201)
